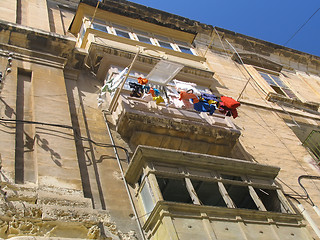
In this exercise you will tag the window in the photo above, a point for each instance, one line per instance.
(144, 39)
(240, 196)
(208, 193)
(141, 36)
(185, 50)
(270, 200)
(147, 198)
(99, 27)
(81, 33)
(312, 142)
(184, 47)
(220, 193)
(164, 42)
(174, 190)
(277, 85)
(121, 31)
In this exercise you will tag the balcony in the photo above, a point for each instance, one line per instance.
(183, 195)
(146, 123)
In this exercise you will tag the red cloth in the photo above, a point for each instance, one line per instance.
(142, 81)
(186, 96)
(230, 102)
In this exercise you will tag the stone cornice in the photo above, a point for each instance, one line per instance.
(145, 154)
(151, 15)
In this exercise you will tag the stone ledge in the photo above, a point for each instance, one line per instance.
(273, 97)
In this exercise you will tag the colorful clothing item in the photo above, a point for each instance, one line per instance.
(137, 90)
(209, 97)
(142, 81)
(158, 99)
(187, 95)
(204, 107)
(154, 92)
(230, 102)
(228, 106)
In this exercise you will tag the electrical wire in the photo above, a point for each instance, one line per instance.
(34, 122)
(77, 135)
(274, 112)
(304, 189)
(242, 63)
(300, 28)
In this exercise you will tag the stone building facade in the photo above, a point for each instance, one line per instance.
(83, 158)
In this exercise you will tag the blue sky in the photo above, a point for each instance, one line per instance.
(274, 21)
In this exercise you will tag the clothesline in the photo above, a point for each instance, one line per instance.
(184, 95)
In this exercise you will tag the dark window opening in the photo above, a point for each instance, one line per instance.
(278, 90)
(289, 93)
(99, 27)
(278, 85)
(240, 196)
(121, 33)
(140, 180)
(174, 190)
(208, 193)
(144, 39)
(270, 200)
(165, 44)
(185, 50)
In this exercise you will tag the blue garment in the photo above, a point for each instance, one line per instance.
(146, 88)
(204, 107)
(156, 92)
(207, 97)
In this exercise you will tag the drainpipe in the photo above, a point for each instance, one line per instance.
(316, 209)
(124, 180)
(306, 215)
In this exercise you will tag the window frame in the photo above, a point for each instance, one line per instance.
(134, 34)
(276, 83)
(223, 191)
(314, 152)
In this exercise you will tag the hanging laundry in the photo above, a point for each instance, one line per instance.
(137, 90)
(210, 98)
(113, 82)
(174, 101)
(228, 106)
(185, 98)
(185, 86)
(154, 92)
(188, 95)
(158, 99)
(229, 102)
(146, 88)
(203, 106)
(142, 81)
(147, 97)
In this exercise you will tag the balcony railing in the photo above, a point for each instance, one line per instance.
(146, 123)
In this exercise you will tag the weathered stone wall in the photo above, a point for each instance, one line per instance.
(265, 136)
(73, 186)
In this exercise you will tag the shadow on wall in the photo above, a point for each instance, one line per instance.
(239, 152)
(44, 144)
(76, 92)
(9, 111)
